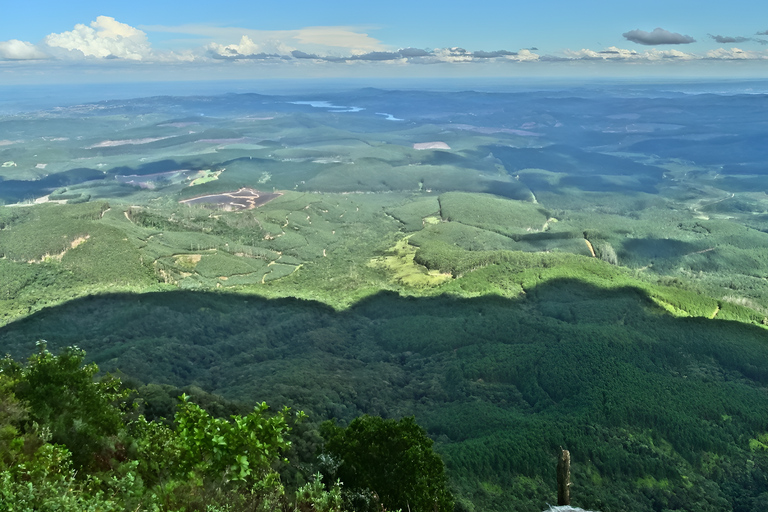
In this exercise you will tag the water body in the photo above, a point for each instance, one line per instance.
(328, 105)
(389, 117)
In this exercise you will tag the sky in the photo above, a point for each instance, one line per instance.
(107, 41)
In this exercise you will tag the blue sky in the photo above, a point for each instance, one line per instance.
(160, 40)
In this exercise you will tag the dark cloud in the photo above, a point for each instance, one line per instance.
(416, 55)
(413, 52)
(658, 36)
(728, 39)
(371, 56)
(763, 33)
(298, 54)
(231, 54)
(491, 55)
(378, 56)
(553, 58)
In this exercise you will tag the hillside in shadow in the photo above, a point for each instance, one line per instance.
(634, 393)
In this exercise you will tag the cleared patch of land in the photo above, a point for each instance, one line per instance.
(243, 199)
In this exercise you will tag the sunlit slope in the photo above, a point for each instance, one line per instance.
(326, 247)
(599, 166)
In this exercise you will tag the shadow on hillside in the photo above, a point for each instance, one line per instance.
(569, 364)
(584, 170)
(183, 334)
(20, 190)
(659, 248)
(159, 166)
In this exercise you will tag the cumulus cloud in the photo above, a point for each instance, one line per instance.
(524, 56)
(658, 36)
(104, 38)
(728, 39)
(763, 33)
(20, 50)
(621, 54)
(247, 49)
(454, 54)
(668, 54)
(735, 54)
(609, 53)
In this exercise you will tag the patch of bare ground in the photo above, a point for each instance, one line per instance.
(591, 249)
(243, 199)
(57, 257)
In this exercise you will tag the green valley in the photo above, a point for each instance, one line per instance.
(574, 286)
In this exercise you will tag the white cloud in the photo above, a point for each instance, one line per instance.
(247, 48)
(610, 53)
(524, 55)
(735, 54)
(104, 38)
(668, 54)
(621, 54)
(326, 41)
(457, 54)
(107, 39)
(454, 54)
(339, 37)
(20, 50)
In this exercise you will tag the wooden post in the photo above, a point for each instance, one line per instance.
(564, 478)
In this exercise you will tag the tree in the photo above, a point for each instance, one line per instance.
(59, 429)
(393, 459)
(201, 460)
(36, 474)
(61, 393)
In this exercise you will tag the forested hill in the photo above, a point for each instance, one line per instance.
(521, 271)
(658, 412)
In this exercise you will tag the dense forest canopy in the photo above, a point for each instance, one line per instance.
(474, 284)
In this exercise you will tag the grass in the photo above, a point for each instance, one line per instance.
(205, 177)
(398, 262)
